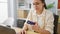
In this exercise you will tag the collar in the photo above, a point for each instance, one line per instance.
(42, 14)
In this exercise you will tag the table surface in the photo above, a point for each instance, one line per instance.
(19, 29)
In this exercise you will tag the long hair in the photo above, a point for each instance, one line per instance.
(43, 1)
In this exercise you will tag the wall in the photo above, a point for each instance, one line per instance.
(54, 9)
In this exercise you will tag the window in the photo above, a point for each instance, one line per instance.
(3, 10)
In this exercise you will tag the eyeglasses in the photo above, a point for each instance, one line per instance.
(36, 3)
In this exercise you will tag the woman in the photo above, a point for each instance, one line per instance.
(43, 18)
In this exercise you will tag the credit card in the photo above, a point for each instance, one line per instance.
(30, 22)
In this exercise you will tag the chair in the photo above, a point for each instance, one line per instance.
(55, 23)
(6, 30)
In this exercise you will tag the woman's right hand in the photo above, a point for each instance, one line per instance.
(23, 32)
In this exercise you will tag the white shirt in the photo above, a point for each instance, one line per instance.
(45, 20)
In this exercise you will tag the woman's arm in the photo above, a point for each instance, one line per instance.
(25, 27)
(29, 17)
(43, 31)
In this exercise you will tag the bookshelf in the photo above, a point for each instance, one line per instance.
(23, 8)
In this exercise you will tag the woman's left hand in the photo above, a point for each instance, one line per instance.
(35, 27)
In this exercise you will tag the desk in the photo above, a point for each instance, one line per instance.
(18, 30)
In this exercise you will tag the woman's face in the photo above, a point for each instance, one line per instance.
(38, 5)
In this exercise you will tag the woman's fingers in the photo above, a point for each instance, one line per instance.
(20, 32)
(23, 32)
(36, 23)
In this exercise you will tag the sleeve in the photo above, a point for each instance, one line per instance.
(28, 18)
(49, 23)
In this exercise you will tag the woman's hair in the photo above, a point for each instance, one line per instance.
(43, 1)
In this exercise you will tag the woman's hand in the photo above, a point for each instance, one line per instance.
(35, 27)
(22, 32)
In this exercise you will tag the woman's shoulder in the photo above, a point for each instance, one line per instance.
(48, 12)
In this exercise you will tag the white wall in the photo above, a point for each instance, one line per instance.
(54, 9)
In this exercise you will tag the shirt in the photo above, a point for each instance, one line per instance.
(45, 20)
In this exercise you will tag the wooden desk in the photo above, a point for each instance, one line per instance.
(28, 32)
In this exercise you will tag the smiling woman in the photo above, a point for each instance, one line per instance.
(42, 18)
(3, 10)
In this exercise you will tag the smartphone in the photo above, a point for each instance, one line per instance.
(30, 22)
